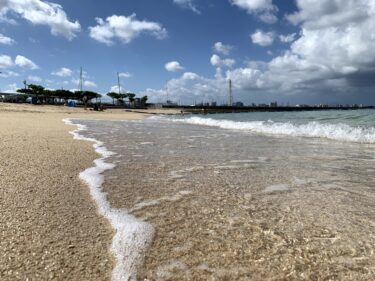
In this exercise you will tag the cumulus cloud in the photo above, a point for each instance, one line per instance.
(34, 78)
(173, 66)
(90, 84)
(125, 29)
(5, 61)
(9, 73)
(217, 61)
(288, 38)
(187, 4)
(6, 40)
(125, 75)
(63, 72)
(40, 13)
(26, 63)
(262, 38)
(86, 83)
(264, 9)
(115, 89)
(12, 88)
(221, 48)
(188, 88)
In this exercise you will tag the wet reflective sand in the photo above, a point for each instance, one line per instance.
(230, 205)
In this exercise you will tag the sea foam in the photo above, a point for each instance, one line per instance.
(132, 236)
(340, 132)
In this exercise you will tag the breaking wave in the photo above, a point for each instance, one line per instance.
(340, 132)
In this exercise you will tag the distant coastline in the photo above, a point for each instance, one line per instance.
(234, 109)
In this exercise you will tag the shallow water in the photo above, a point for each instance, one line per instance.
(235, 205)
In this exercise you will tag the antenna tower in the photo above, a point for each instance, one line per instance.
(118, 83)
(230, 93)
(80, 84)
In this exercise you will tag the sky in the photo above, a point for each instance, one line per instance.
(289, 51)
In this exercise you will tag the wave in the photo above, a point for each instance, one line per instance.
(132, 235)
(340, 132)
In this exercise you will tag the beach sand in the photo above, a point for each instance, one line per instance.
(50, 229)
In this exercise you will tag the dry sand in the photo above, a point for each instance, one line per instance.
(50, 229)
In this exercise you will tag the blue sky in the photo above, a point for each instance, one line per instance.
(289, 51)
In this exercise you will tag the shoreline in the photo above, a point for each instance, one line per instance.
(51, 228)
(130, 233)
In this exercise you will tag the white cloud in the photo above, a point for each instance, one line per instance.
(189, 87)
(86, 83)
(288, 38)
(219, 62)
(221, 48)
(125, 29)
(12, 88)
(6, 40)
(34, 78)
(24, 62)
(63, 72)
(187, 4)
(262, 38)
(89, 84)
(125, 75)
(262, 8)
(7, 74)
(5, 61)
(41, 13)
(173, 66)
(114, 89)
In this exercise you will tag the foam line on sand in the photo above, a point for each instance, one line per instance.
(132, 236)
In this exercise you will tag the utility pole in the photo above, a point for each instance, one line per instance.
(230, 93)
(118, 83)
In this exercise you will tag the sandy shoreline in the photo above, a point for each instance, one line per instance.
(50, 228)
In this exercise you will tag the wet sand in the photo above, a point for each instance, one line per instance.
(50, 229)
(231, 206)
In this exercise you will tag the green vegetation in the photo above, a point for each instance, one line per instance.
(45, 96)
(41, 95)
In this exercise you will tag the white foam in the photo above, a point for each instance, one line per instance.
(341, 132)
(132, 236)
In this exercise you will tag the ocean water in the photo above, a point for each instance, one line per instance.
(239, 196)
(343, 125)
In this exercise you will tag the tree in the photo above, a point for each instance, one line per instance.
(86, 95)
(131, 97)
(144, 100)
(114, 96)
(33, 90)
(122, 97)
(64, 94)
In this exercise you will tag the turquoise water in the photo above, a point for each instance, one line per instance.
(364, 118)
(340, 125)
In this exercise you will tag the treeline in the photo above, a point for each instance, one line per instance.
(39, 94)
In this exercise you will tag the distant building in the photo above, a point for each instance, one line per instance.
(238, 104)
(273, 104)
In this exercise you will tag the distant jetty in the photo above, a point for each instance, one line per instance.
(233, 109)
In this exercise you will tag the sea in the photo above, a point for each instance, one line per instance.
(248, 196)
